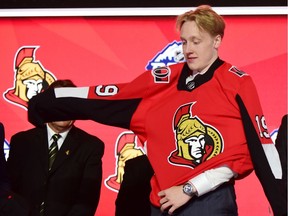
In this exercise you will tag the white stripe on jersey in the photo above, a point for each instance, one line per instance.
(80, 92)
(273, 159)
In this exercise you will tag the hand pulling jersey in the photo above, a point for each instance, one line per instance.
(186, 129)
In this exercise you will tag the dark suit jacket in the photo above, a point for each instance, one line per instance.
(281, 145)
(10, 203)
(4, 186)
(133, 196)
(72, 187)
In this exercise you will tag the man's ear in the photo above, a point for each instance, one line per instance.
(217, 41)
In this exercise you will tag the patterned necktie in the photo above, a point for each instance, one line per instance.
(52, 155)
(53, 149)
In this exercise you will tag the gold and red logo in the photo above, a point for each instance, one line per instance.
(126, 148)
(196, 141)
(30, 77)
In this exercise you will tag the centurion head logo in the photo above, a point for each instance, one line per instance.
(126, 148)
(30, 78)
(196, 141)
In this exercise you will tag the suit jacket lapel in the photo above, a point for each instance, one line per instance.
(41, 143)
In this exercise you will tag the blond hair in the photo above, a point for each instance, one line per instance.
(205, 18)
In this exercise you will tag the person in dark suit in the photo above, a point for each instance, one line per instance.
(4, 184)
(72, 185)
(10, 203)
(133, 195)
(281, 146)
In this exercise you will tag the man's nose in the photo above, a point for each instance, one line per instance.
(189, 48)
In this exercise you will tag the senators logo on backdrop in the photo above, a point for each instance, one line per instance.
(196, 141)
(126, 148)
(30, 79)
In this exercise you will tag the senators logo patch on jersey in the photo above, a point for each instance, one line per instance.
(196, 141)
(161, 74)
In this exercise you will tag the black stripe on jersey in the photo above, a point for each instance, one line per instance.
(261, 166)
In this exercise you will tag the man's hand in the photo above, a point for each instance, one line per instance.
(172, 198)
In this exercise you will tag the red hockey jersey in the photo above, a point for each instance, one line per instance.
(186, 129)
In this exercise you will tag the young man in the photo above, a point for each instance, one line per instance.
(55, 182)
(199, 120)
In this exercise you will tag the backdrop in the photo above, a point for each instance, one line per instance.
(102, 50)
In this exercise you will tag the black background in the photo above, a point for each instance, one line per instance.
(136, 3)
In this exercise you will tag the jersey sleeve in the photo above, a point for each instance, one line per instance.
(263, 153)
(252, 112)
(112, 104)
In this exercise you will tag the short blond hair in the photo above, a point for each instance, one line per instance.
(205, 18)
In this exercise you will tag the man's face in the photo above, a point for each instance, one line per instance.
(199, 47)
(60, 126)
